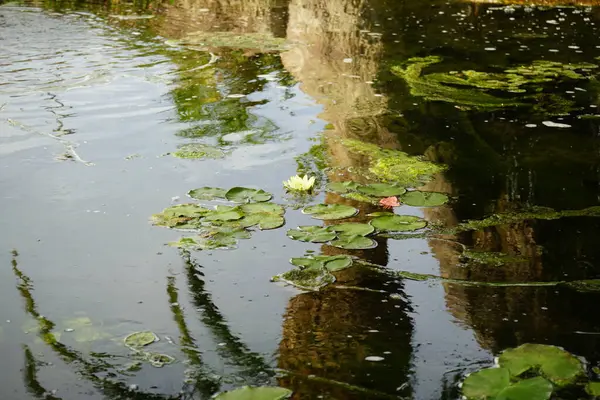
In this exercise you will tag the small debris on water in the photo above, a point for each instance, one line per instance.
(551, 124)
(374, 358)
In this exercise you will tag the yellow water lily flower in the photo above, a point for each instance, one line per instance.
(299, 184)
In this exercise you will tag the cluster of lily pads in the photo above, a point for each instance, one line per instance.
(470, 88)
(530, 372)
(137, 341)
(374, 192)
(222, 226)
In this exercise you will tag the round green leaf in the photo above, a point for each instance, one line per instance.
(593, 389)
(223, 216)
(417, 198)
(342, 187)
(181, 216)
(536, 388)
(270, 208)
(336, 263)
(555, 364)
(256, 393)
(269, 221)
(207, 193)
(313, 277)
(382, 190)
(398, 223)
(138, 340)
(352, 228)
(486, 383)
(307, 262)
(247, 195)
(380, 214)
(330, 211)
(314, 234)
(331, 263)
(355, 242)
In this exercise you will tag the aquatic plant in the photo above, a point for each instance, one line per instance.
(330, 211)
(468, 88)
(431, 90)
(417, 198)
(299, 184)
(198, 151)
(398, 223)
(528, 372)
(393, 166)
(221, 227)
(314, 272)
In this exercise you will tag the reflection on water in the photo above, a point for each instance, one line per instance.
(354, 340)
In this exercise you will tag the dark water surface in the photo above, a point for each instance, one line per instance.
(92, 101)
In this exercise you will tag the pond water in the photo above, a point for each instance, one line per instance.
(97, 97)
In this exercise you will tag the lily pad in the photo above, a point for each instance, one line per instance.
(137, 340)
(159, 360)
(382, 190)
(330, 211)
(207, 193)
(354, 242)
(310, 278)
(593, 389)
(335, 263)
(270, 208)
(417, 198)
(536, 388)
(221, 237)
(554, 363)
(224, 213)
(314, 234)
(199, 151)
(398, 223)
(365, 198)
(331, 263)
(342, 187)
(182, 216)
(206, 243)
(269, 221)
(352, 228)
(256, 393)
(486, 383)
(247, 195)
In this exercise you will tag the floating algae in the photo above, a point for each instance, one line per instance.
(432, 90)
(392, 165)
(468, 87)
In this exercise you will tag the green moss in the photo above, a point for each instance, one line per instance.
(491, 258)
(199, 151)
(534, 213)
(314, 162)
(393, 165)
(431, 90)
(443, 86)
